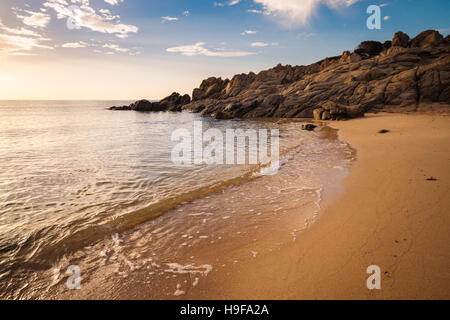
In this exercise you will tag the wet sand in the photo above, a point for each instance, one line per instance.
(181, 253)
(391, 214)
(386, 212)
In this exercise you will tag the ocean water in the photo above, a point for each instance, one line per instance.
(82, 185)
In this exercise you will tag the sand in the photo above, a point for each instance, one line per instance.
(388, 214)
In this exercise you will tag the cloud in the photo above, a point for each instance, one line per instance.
(14, 41)
(110, 48)
(115, 47)
(259, 11)
(294, 13)
(305, 35)
(263, 44)
(35, 19)
(186, 13)
(245, 32)
(229, 3)
(167, 18)
(16, 45)
(20, 32)
(199, 49)
(107, 15)
(86, 17)
(113, 2)
(386, 18)
(80, 44)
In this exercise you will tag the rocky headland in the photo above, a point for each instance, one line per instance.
(401, 75)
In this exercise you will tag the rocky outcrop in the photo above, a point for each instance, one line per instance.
(400, 40)
(369, 48)
(401, 75)
(398, 75)
(333, 111)
(174, 102)
(309, 127)
(211, 88)
(427, 38)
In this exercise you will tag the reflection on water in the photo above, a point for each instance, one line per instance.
(83, 185)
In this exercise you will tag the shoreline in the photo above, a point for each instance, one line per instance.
(384, 212)
(388, 214)
(174, 255)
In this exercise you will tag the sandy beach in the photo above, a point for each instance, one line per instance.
(389, 213)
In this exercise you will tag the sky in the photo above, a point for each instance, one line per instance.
(147, 49)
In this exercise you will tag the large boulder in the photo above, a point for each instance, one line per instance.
(387, 44)
(174, 102)
(120, 108)
(145, 105)
(220, 115)
(400, 39)
(369, 48)
(427, 38)
(348, 57)
(333, 111)
(209, 88)
(317, 114)
(309, 127)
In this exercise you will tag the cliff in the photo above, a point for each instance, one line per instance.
(401, 75)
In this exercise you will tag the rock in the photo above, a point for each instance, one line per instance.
(326, 115)
(174, 102)
(220, 115)
(393, 76)
(369, 48)
(209, 88)
(318, 114)
(144, 105)
(345, 57)
(354, 112)
(308, 127)
(427, 38)
(120, 108)
(383, 131)
(327, 62)
(348, 57)
(387, 44)
(400, 40)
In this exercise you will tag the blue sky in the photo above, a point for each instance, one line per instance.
(131, 49)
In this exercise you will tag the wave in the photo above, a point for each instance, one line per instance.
(33, 253)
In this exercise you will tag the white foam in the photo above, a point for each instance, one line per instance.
(179, 292)
(203, 269)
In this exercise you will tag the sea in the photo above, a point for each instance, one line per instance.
(92, 204)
